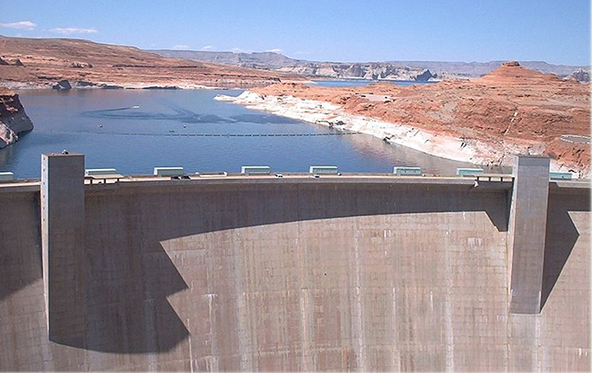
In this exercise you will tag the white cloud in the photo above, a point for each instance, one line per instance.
(180, 47)
(74, 30)
(276, 50)
(207, 48)
(23, 25)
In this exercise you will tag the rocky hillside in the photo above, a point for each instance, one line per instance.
(83, 64)
(390, 70)
(13, 119)
(512, 109)
(281, 63)
(263, 60)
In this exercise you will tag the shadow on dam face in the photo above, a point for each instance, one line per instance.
(128, 279)
(20, 249)
(561, 236)
(130, 274)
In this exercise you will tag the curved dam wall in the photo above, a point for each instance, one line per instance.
(342, 273)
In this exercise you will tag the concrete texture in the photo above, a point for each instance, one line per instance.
(528, 223)
(62, 237)
(297, 274)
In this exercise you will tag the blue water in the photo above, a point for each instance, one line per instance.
(362, 82)
(137, 130)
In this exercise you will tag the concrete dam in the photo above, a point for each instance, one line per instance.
(349, 272)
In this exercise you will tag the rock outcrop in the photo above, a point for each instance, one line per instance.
(424, 76)
(374, 71)
(512, 110)
(580, 75)
(62, 85)
(11, 62)
(13, 119)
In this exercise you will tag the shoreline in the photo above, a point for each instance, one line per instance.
(439, 145)
(83, 85)
(112, 86)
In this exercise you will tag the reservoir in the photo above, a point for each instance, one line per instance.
(137, 130)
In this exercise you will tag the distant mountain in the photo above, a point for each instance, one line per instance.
(474, 69)
(279, 62)
(268, 60)
(393, 70)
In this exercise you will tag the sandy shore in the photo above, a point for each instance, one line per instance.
(333, 116)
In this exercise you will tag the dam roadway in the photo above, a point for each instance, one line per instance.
(350, 272)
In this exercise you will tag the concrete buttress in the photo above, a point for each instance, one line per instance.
(528, 221)
(62, 231)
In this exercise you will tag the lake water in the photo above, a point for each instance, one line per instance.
(137, 130)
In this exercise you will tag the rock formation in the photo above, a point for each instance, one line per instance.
(47, 63)
(13, 119)
(581, 75)
(425, 76)
(512, 110)
(399, 70)
(62, 85)
(11, 62)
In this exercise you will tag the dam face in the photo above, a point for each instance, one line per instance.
(293, 273)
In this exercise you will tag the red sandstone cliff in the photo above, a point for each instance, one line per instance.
(13, 119)
(538, 113)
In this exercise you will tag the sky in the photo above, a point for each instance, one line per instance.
(555, 31)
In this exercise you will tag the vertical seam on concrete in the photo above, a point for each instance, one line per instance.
(447, 307)
(307, 357)
(242, 303)
(358, 318)
(189, 343)
(213, 360)
(509, 258)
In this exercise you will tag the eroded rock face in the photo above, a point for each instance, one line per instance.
(511, 64)
(513, 110)
(424, 76)
(62, 85)
(581, 75)
(13, 119)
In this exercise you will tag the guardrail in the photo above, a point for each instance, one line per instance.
(6, 176)
(255, 170)
(168, 171)
(323, 170)
(469, 171)
(554, 175)
(407, 171)
(316, 171)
